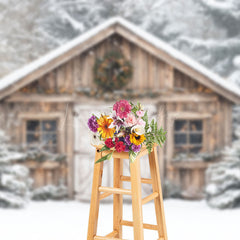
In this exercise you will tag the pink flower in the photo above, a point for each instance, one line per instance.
(122, 108)
(130, 120)
(141, 122)
(140, 113)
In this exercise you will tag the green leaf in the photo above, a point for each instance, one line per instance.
(104, 148)
(145, 117)
(106, 157)
(132, 156)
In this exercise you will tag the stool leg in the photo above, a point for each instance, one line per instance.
(117, 198)
(156, 185)
(136, 199)
(94, 206)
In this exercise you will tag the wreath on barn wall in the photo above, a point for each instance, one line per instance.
(112, 72)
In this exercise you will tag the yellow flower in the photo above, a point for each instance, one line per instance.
(137, 139)
(104, 122)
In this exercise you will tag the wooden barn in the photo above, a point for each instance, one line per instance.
(49, 101)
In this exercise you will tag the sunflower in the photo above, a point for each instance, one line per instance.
(137, 139)
(104, 122)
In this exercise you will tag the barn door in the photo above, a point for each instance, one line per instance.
(85, 154)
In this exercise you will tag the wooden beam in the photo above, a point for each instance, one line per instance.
(69, 149)
(188, 165)
(94, 206)
(104, 195)
(188, 97)
(41, 115)
(112, 234)
(162, 116)
(40, 98)
(169, 97)
(145, 225)
(143, 180)
(189, 115)
(149, 198)
(115, 190)
(137, 215)
(117, 198)
(107, 238)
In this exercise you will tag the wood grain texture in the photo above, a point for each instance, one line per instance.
(143, 180)
(95, 198)
(158, 201)
(136, 199)
(107, 238)
(145, 225)
(149, 198)
(117, 198)
(115, 190)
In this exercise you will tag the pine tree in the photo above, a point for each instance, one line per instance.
(223, 180)
(14, 178)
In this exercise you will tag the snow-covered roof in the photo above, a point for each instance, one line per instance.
(17, 75)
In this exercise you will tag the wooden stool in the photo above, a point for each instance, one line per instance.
(99, 192)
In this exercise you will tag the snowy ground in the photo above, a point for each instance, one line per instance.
(69, 220)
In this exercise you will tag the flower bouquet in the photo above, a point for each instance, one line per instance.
(125, 129)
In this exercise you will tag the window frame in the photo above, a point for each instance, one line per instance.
(60, 131)
(43, 133)
(188, 132)
(172, 116)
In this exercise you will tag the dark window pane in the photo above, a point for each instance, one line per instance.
(33, 138)
(49, 138)
(49, 125)
(180, 125)
(42, 134)
(33, 125)
(196, 125)
(180, 138)
(195, 149)
(195, 138)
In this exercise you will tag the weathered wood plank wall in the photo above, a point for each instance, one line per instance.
(149, 73)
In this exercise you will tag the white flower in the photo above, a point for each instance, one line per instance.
(95, 138)
(138, 129)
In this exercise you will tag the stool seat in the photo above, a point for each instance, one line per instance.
(100, 192)
(123, 155)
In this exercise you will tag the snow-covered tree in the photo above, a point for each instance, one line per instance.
(219, 52)
(14, 178)
(236, 122)
(207, 30)
(50, 192)
(29, 29)
(223, 178)
(223, 188)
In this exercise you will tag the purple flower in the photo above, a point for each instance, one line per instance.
(126, 148)
(127, 140)
(136, 148)
(117, 121)
(92, 123)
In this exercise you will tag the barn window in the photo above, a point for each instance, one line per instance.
(188, 136)
(42, 133)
